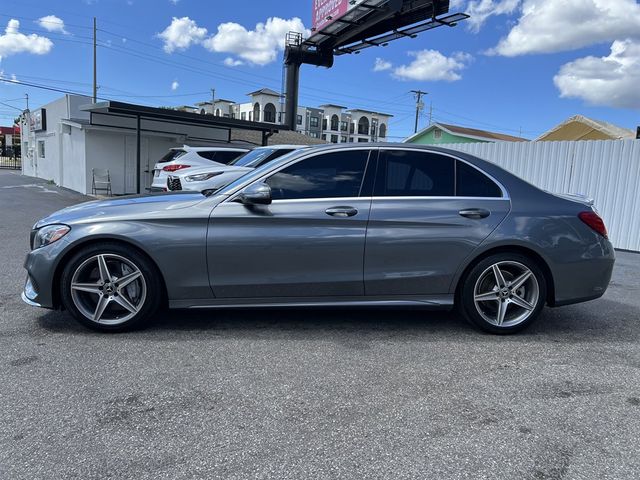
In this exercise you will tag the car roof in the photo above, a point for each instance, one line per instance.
(216, 148)
(282, 147)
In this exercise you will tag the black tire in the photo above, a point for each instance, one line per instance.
(149, 283)
(510, 263)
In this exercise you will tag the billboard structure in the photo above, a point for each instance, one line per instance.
(343, 27)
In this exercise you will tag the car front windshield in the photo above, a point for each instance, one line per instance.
(253, 157)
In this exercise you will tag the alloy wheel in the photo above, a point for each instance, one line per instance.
(506, 294)
(108, 289)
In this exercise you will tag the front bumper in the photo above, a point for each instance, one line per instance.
(26, 300)
(41, 266)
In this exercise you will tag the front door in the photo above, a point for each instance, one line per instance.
(429, 212)
(308, 243)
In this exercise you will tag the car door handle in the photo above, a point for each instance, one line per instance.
(342, 212)
(474, 213)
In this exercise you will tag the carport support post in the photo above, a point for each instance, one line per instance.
(138, 159)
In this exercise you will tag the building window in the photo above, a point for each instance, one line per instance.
(363, 140)
(335, 123)
(314, 134)
(343, 139)
(383, 130)
(437, 133)
(41, 148)
(243, 116)
(324, 137)
(314, 122)
(299, 119)
(363, 126)
(270, 113)
(343, 126)
(334, 138)
(324, 123)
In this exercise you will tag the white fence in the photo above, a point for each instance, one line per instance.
(606, 170)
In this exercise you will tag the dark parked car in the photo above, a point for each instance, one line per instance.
(377, 224)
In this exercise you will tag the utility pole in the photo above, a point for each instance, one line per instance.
(95, 62)
(26, 96)
(430, 113)
(419, 105)
(213, 100)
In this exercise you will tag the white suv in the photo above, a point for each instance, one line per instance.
(183, 158)
(214, 177)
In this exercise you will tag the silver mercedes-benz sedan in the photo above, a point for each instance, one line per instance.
(340, 225)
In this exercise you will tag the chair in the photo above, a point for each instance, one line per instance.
(101, 181)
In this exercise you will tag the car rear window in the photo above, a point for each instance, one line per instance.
(471, 182)
(171, 155)
(224, 157)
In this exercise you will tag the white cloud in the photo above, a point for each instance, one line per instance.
(431, 65)
(51, 23)
(551, 26)
(175, 2)
(480, 10)
(13, 42)
(4, 78)
(259, 46)
(174, 85)
(233, 62)
(610, 81)
(181, 34)
(381, 65)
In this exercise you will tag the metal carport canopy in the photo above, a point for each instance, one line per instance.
(141, 112)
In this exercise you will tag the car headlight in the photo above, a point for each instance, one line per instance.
(48, 235)
(201, 177)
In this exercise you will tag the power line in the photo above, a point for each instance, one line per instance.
(11, 106)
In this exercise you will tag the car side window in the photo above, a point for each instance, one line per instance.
(471, 182)
(328, 175)
(407, 173)
(223, 157)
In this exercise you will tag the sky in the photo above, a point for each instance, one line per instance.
(516, 66)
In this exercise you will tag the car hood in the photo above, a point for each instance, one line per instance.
(122, 207)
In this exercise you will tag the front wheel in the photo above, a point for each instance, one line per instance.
(503, 293)
(110, 287)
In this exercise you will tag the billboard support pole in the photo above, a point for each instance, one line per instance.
(292, 89)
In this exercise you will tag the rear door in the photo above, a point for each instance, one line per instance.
(308, 243)
(429, 212)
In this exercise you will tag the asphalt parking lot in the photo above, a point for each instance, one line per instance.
(304, 393)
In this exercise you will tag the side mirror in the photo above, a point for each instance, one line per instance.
(256, 194)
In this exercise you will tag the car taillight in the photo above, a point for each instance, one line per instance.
(175, 168)
(593, 220)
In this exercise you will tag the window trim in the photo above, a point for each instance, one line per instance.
(505, 192)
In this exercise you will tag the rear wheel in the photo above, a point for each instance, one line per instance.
(503, 293)
(110, 287)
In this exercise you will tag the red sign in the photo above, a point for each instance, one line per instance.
(325, 12)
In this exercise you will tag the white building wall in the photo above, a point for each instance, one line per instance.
(116, 152)
(606, 170)
(73, 168)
